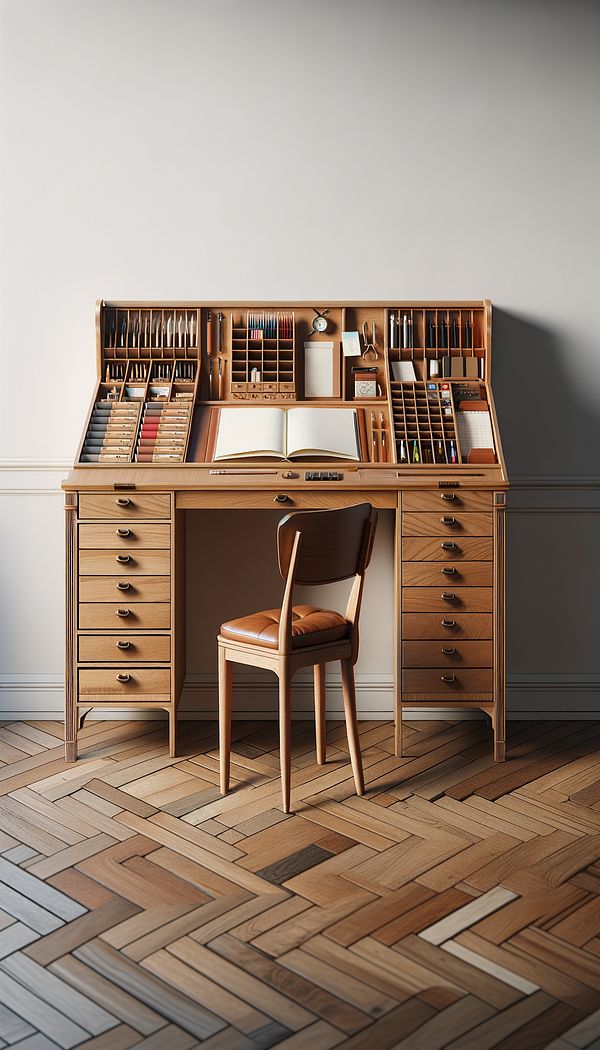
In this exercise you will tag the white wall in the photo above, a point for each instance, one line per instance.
(307, 149)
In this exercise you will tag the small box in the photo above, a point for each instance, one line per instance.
(365, 384)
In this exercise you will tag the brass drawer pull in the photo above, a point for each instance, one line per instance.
(447, 520)
(448, 545)
(281, 497)
(123, 559)
(449, 570)
(123, 585)
(448, 596)
(123, 612)
(449, 496)
(449, 652)
(448, 678)
(122, 501)
(448, 623)
(123, 678)
(123, 645)
(123, 533)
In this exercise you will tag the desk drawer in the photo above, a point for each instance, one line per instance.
(433, 574)
(108, 648)
(124, 616)
(446, 525)
(327, 499)
(124, 588)
(115, 563)
(120, 506)
(446, 548)
(457, 599)
(445, 502)
(442, 681)
(447, 628)
(124, 537)
(449, 653)
(127, 681)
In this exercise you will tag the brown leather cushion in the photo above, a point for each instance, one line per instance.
(310, 626)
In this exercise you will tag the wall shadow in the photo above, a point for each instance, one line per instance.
(546, 429)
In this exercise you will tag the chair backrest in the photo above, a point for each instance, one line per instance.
(335, 544)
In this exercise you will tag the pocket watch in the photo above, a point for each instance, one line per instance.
(319, 323)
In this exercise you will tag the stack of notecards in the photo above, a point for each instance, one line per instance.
(164, 430)
(111, 432)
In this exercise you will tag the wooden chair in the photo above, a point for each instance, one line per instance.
(315, 548)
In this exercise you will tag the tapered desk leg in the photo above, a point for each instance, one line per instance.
(320, 717)
(397, 640)
(70, 680)
(499, 715)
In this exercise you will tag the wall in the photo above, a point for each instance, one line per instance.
(274, 149)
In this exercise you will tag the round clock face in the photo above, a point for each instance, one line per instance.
(319, 323)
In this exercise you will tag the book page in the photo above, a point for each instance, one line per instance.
(318, 431)
(247, 432)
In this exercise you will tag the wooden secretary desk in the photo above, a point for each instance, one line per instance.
(414, 380)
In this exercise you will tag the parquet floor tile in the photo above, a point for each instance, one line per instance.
(456, 905)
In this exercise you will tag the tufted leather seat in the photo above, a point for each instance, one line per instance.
(310, 626)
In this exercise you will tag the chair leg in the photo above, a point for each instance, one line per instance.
(285, 733)
(352, 724)
(224, 719)
(320, 720)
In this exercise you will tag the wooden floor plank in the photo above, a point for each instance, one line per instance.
(455, 905)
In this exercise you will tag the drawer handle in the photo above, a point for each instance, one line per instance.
(127, 645)
(281, 497)
(123, 558)
(449, 546)
(122, 501)
(447, 520)
(123, 533)
(123, 678)
(449, 652)
(449, 596)
(450, 496)
(123, 585)
(448, 678)
(123, 612)
(449, 570)
(448, 623)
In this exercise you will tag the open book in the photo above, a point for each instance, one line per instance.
(244, 433)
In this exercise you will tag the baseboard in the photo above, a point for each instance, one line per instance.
(528, 697)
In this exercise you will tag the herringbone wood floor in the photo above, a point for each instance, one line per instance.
(456, 905)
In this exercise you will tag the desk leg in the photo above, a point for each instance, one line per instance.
(397, 641)
(499, 715)
(70, 597)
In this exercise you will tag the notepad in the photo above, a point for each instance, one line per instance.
(279, 433)
(318, 369)
(403, 371)
(474, 431)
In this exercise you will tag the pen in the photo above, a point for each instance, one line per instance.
(374, 438)
(382, 429)
(220, 379)
(220, 318)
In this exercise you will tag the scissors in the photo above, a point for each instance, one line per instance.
(370, 346)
